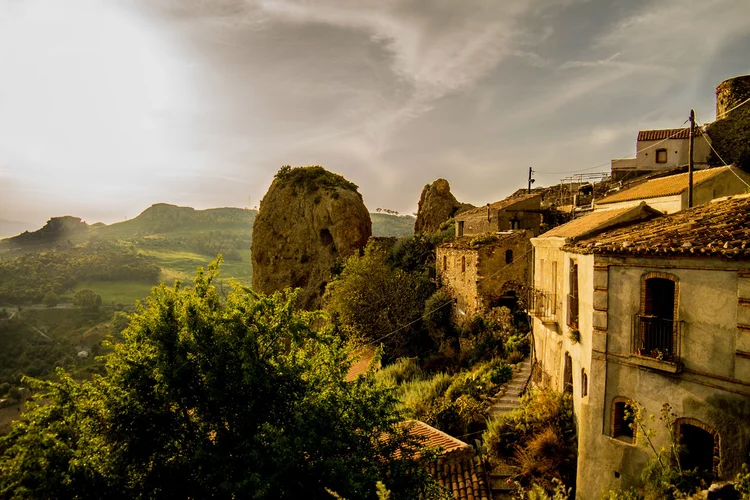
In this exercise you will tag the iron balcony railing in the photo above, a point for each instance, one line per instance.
(545, 305)
(656, 337)
(572, 321)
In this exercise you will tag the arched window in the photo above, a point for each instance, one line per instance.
(584, 383)
(509, 256)
(699, 446)
(445, 262)
(568, 375)
(463, 263)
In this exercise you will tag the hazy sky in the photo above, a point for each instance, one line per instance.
(109, 106)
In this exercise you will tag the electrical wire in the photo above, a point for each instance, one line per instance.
(722, 159)
(725, 113)
(677, 131)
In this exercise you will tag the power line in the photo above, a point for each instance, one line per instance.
(730, 110)
(719, 156)
(426, 315)
(677, 132)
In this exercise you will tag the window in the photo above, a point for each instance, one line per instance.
(463, 264)
(658, 332)
(573, 309)
(515, 224)
(699, 445)
(509, 256)
(460, 228)
(622, 421)
(445, 262)
(661, 156)
(568, 375)
(584, 383)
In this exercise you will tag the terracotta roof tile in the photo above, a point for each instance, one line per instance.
(465, 478)
(362, 358)
(666, 186)
(667, 133)
(599, 221)
(500, 205)
(720, 228)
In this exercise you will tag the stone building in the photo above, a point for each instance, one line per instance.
(515, 212)
(656, 310)
(480, 272)
(669, 194)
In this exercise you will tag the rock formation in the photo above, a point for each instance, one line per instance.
(309, 220)
(436, 205)
(56, 230)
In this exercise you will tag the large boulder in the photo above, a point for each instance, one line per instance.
(436, 205)
(309, 221)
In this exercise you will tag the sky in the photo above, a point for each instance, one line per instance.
(107, 107)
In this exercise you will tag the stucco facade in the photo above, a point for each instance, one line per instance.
(701, 369)
(478, 276)
(670, 194)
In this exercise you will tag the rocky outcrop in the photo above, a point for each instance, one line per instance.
(309, 220)
(436, 205)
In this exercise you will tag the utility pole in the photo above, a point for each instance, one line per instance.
(690, 158)
(531, 181)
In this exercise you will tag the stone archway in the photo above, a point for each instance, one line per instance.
(700, 446)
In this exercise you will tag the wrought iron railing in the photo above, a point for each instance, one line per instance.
(656, 337)
(545, 305)
(572, 321)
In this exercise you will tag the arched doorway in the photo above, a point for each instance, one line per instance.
(568, 374)
(699, 447)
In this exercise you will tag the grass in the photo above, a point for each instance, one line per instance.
(181, 264)
(119, 292)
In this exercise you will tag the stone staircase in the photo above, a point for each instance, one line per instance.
(500, 488)
(507, 399)
(501, 477)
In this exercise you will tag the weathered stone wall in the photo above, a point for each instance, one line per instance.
(489, 220)
(730, 93)
(477, 277)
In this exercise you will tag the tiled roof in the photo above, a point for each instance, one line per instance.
(664, 186)
(465, 479)
(600, 220)
(456, 468)
(500, 205)
(667, 133)
(435, 437)
(362, 359)
(720, 228)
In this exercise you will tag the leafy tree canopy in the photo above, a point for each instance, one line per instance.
(88, 299)
(242, 397)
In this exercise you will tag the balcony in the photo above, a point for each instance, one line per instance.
(656, 342)
(544, 306)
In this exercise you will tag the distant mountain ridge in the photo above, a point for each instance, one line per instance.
(163, 218)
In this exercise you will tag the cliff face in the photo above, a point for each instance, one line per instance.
(309, 220)
(57, 229)
(436, 205)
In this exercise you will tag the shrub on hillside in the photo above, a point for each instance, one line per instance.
(539, 439)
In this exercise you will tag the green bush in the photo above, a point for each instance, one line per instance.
(483, 239)
(539, 438)
(517, 343)
(401, 371)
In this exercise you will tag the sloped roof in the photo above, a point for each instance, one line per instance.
(600, 220)
(666, 186)
(720, 228)
(465, 479)
(434, 437)
(362, 358)
(667, 133)
(500, 205)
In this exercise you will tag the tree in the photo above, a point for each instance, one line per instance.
(375, 302)
(50, 299)
(205, 397)
(87, 299)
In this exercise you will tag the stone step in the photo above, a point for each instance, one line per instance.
(503, 408)
(502, 471)
(501, 485)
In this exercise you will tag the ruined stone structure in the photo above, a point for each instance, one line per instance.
(637, 306)
(513, 213)
(731, 130)
(478, 276)
(436, 205)
(731, 93)
(309, 220)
